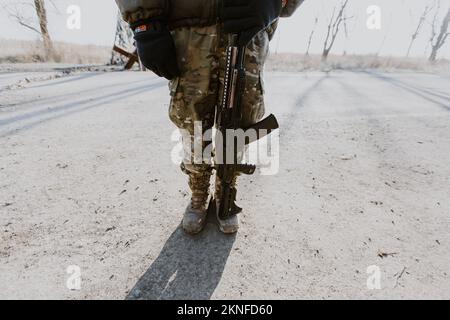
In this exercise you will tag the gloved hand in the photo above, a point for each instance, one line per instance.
(156, 48)
(249, 17)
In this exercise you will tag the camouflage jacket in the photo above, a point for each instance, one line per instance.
(182, 13)
(291, 7)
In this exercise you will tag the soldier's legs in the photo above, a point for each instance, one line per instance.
(194, 96)
(201, 56)
(194, 93)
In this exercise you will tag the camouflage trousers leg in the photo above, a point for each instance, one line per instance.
(201, 56)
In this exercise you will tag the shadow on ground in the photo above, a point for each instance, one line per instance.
(187, 268)
(440, 99)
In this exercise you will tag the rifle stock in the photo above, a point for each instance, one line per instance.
(263, 128)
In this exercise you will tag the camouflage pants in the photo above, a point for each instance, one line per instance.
(202, 57)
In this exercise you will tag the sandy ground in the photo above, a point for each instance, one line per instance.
(86, 180)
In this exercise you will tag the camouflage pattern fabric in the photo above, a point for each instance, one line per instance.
(201, 53)
(291, 7)
(183, 12)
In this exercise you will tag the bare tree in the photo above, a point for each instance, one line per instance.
(17, 12)
(43, 26)
(416, 33)
(433, 25)
(382, 42)
(316, 21)
(437, 40)
(334, 28)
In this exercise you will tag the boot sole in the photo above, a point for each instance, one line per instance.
(229, 232)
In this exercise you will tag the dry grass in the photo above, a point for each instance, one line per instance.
(299, 62)
(14, 51)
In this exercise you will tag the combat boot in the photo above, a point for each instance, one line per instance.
(231, 224)
(194, 218)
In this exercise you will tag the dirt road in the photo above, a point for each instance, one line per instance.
(86, 180)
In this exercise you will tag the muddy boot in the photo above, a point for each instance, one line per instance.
(195, 215)
(231, 224)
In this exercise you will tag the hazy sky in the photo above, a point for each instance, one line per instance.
(399, 18)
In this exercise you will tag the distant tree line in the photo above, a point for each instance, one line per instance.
(38, 23)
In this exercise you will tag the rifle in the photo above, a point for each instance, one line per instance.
(229, 117)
